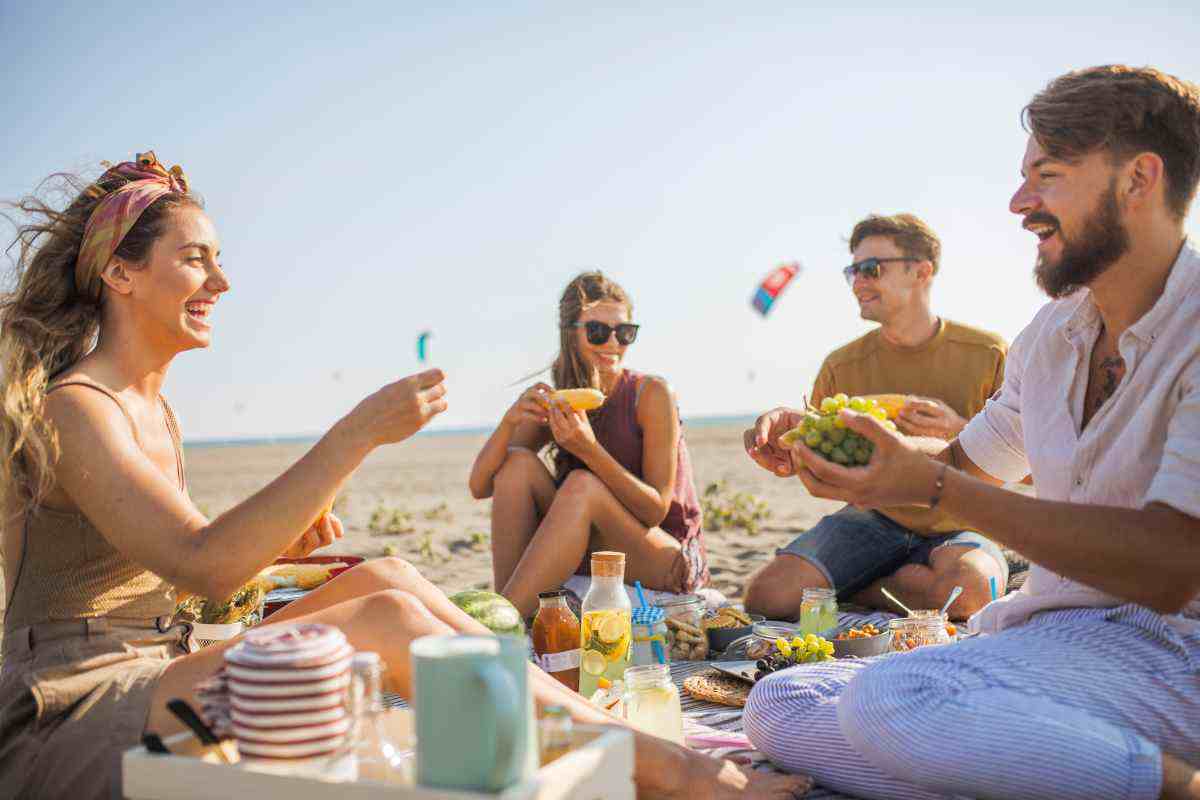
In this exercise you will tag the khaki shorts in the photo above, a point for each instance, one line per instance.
(74, 695)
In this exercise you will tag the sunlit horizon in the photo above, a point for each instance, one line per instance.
(383, 171)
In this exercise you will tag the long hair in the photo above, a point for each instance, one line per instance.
(569, 370)
(47, 324)
(586, 289)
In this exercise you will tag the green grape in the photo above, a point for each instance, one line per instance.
(810, 420)
(837, 436)
(861, 456)
(871, 403)
(858, 404)
(827, 447)
(825, 424)
(813, 438)
(839, 456)
(853, 442)
(891, 426)
(879, 414)
(841, 399)
(829, 405)
(838, 422)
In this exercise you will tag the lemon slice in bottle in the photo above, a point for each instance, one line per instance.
(593, 662)
(611, 629)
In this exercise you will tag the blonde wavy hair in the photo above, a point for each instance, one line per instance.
(47, 324)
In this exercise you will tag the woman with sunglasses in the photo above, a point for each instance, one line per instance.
(622, 477)
(99, 532)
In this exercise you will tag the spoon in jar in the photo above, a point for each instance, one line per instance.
(892, 597)
(954, 593)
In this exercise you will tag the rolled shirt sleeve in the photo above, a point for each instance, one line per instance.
(1177, 482)
(993, 438)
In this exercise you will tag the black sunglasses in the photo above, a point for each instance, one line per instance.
(869, 267)
(598, 332)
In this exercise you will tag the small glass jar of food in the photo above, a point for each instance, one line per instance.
(818, 611)
(909, 633)
(685, 624)
(951, 628)
(652, 702)
(765, 635)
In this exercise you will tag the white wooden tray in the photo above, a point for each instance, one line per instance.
(599, 768)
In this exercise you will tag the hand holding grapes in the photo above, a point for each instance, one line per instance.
(896, 472)
(762, 441)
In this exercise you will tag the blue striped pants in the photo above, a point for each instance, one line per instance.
(1079, 703)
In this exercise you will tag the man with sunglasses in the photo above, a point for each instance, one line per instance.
(1087, 682)
(949, 370)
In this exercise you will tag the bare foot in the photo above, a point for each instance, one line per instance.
(689, 775)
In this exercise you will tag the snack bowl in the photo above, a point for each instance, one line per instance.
(863, 648)
(721, 638)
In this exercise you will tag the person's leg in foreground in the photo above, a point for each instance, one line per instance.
(1076, 704)
(386, 603)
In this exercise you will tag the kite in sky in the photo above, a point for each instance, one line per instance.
(423, 345)
(773, 285)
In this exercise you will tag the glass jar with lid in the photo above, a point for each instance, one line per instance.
(818, 611)
(764, 636)
(685, 622)
(651, 637)
(909, 633)
(652, 702)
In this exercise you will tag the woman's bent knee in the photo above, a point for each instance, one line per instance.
(393, 571)
(390, 605)
(581, 483)
(519, 468)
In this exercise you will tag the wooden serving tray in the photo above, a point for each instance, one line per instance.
(599, 768)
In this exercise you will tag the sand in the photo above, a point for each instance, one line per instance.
(426, 478)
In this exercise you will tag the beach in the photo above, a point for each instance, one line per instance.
(446, 530)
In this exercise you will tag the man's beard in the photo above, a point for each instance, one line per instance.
(1102, 241)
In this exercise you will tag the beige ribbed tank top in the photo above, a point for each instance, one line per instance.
(68, 570)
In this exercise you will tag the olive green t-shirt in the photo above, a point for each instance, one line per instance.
(961, 366)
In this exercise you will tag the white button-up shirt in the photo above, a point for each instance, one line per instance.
(1141, 447)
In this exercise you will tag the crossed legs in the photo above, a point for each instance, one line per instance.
(384, 604)
(541, 534)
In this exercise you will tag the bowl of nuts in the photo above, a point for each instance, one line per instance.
(862, 642)
(728, 624)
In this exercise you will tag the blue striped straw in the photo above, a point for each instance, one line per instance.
(992, 586)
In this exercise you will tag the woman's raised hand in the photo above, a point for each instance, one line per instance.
(533, 406)
(571, 430)
(400, 409)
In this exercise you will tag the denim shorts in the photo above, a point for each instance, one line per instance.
(854, 548)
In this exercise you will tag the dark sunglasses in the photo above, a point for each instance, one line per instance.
(869, 267)
(598, 332)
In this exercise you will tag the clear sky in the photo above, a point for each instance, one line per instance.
(376, 169)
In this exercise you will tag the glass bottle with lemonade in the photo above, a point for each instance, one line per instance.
(606, 630)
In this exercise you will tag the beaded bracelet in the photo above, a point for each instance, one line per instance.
(938, 486)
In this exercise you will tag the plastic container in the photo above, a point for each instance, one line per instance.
(685, 622)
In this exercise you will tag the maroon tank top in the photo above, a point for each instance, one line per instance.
(618, 432)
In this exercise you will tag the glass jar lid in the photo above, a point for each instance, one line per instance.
(648, 615)
(688, 602)
(774, 631)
